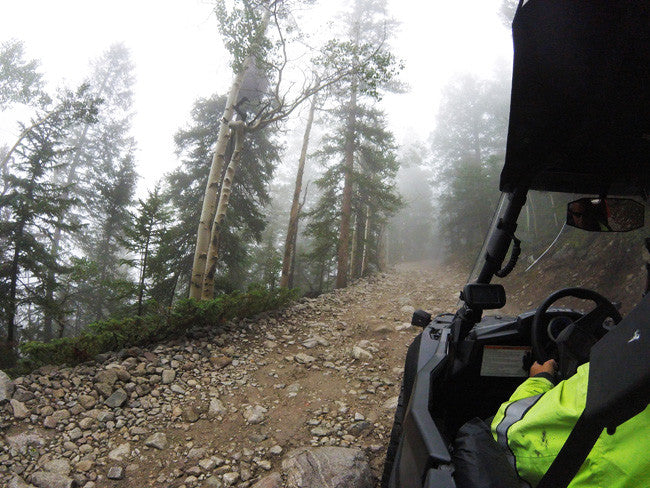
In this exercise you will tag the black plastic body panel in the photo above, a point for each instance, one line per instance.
(449, 391)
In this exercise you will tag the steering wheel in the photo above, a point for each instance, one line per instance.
(586, 331)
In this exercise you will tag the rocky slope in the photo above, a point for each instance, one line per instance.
(229, 408)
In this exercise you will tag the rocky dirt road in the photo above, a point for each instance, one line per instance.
(225, 409)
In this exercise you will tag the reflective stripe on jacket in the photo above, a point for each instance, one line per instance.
(534, 424)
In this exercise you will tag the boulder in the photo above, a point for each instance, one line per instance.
(44, 479)
(274, 480)
(335, 467)
(6, 387)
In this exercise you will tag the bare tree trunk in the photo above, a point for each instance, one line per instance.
(364, 258)
(143, 270)
(357, 244)
(346, 205)
(224, 197)
(292, 230)
(382, 248)
(354, 225)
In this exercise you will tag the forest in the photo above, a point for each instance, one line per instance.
(81, 250)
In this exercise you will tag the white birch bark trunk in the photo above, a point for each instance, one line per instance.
(214, 179)
(224, 198)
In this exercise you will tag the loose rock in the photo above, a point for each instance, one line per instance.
(6, 387)
(117, 399)
(44, 479)
(337, 466)
(157, 440)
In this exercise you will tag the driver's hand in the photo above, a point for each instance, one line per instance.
(549, 367)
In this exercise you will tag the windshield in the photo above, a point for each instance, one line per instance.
(555, 255)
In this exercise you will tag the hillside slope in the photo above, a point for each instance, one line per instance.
(222, 410)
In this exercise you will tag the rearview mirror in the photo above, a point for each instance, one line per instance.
(605, 214)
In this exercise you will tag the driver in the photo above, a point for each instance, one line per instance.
(534, 424)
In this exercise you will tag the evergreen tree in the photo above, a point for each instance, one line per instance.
(143, 237)
(373, 198)
(468, 153)
(101, 172)
(20, 81)
(367, 28)
(32, 204)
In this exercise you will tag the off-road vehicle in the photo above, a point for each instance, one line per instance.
(579, 128)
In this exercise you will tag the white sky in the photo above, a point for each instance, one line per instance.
(178, 57)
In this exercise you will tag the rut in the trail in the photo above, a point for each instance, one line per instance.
(224, 409)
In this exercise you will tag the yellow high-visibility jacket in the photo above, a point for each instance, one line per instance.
(534, 424)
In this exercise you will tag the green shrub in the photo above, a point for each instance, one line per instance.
(115, 334)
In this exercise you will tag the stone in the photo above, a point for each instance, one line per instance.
(115, 473)
(21, 443)
(107, 376)
(360, 353)
(60, 466)
(18, 482)
(391, 403)
(168, 376)
(254, 414)
(86, 423)
(314, 341)
(276, 450)
(49, 422)
(208, 464)
(327, 466)
(117, 399)
(157, 440)
(45, 479)
(220, 361)
(87, 401)
(196, 453)
(302, 358)
(359, 427)
(274, 480)
(122, 374)
(6, 387)
(75, 434)
(230, 478)
(120, 453)
(104, 389)
(190, 414)
(217, 408)
(84, 465)
(23, 395)
(213, 482)
(19, 409)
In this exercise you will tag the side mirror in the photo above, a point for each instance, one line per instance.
(605, 214)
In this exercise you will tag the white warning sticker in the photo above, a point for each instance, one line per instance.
(504, 361)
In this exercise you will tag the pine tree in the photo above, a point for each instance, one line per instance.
(367, 29)
(101, 172)
(143, 237)
(468, 151)
(20, 81)
(33, 203)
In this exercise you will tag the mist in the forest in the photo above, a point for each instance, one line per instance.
(314, 144)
